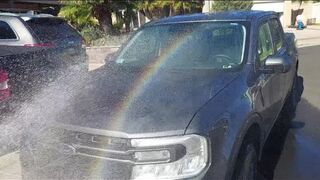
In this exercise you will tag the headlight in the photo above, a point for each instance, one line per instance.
(158, 162)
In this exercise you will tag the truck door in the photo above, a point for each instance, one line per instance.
(281, 51)
(269, 84)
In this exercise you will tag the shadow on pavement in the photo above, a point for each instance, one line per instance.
(300, 157)
(274, 146)
(297, 124)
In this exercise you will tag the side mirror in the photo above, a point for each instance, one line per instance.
(276, 65)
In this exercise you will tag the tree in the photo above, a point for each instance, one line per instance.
(155, 9)
(300, 1)
(88, 12)
(227, 5)
(79, 15)
(102, 11)
(82, 13)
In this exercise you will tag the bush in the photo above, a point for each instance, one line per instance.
(91, 33)
(110, 40)
(227, 5)
(118, 26)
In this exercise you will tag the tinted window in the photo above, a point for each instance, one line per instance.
(189, 45)
(277, 33)
(51, 29)
(6, 32)
(265, 47)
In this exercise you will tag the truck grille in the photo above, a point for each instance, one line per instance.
(98, 146)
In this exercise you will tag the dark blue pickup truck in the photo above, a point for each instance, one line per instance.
(187, 97)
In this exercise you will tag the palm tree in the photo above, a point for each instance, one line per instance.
(155, 9)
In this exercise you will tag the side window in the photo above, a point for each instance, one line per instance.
(277, 34)
(265, 46)
(6, 32)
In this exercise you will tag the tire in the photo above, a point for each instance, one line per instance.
(290, 106)
(246, 167)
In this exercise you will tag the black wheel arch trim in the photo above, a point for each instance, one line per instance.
(253, 120)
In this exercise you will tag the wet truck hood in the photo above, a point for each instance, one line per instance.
(135, 101)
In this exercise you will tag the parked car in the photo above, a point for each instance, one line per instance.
(187, 97)
(5, 92)
(35, 48)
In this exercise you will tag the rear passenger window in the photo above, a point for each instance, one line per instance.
(6, 32)
(52, 29)
(276, 31)
(265, 47)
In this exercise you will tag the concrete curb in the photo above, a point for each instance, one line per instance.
(101, 47)
(10, 166)
(307, 42)
(6, 160)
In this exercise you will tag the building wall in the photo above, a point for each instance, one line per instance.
(286, 8)
(264, 5)
(267, 5)
(271, 5)
(316, 12)
(207, 6)
(306, 7)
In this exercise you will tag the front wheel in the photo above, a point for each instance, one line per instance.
(247, 164)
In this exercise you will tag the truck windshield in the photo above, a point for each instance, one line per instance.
(208, 45)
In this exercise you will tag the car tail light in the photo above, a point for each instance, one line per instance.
(39, 45)
(4, 88)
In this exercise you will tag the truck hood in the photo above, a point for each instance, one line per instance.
(143, 100)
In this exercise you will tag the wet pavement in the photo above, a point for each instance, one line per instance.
(307, 37)
(292, 153)
(300, 156)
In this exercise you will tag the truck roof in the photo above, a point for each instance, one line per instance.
(220, 16)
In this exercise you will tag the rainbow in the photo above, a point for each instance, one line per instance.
(137, 90)
(145, 78)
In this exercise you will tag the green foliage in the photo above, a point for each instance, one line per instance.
(93, 18)
(118, 25)
(300, 1)
(82, 13)
(227, 5)
(155, 9)
(174, 4)
(91, 33)
(96, 16)
(79, 15)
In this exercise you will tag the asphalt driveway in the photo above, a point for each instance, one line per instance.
(300, 157)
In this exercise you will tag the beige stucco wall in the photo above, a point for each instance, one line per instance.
(308, 11)
(287, 14)
(271, 5)
(258, 5)
(316, 12)
(207, 6)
